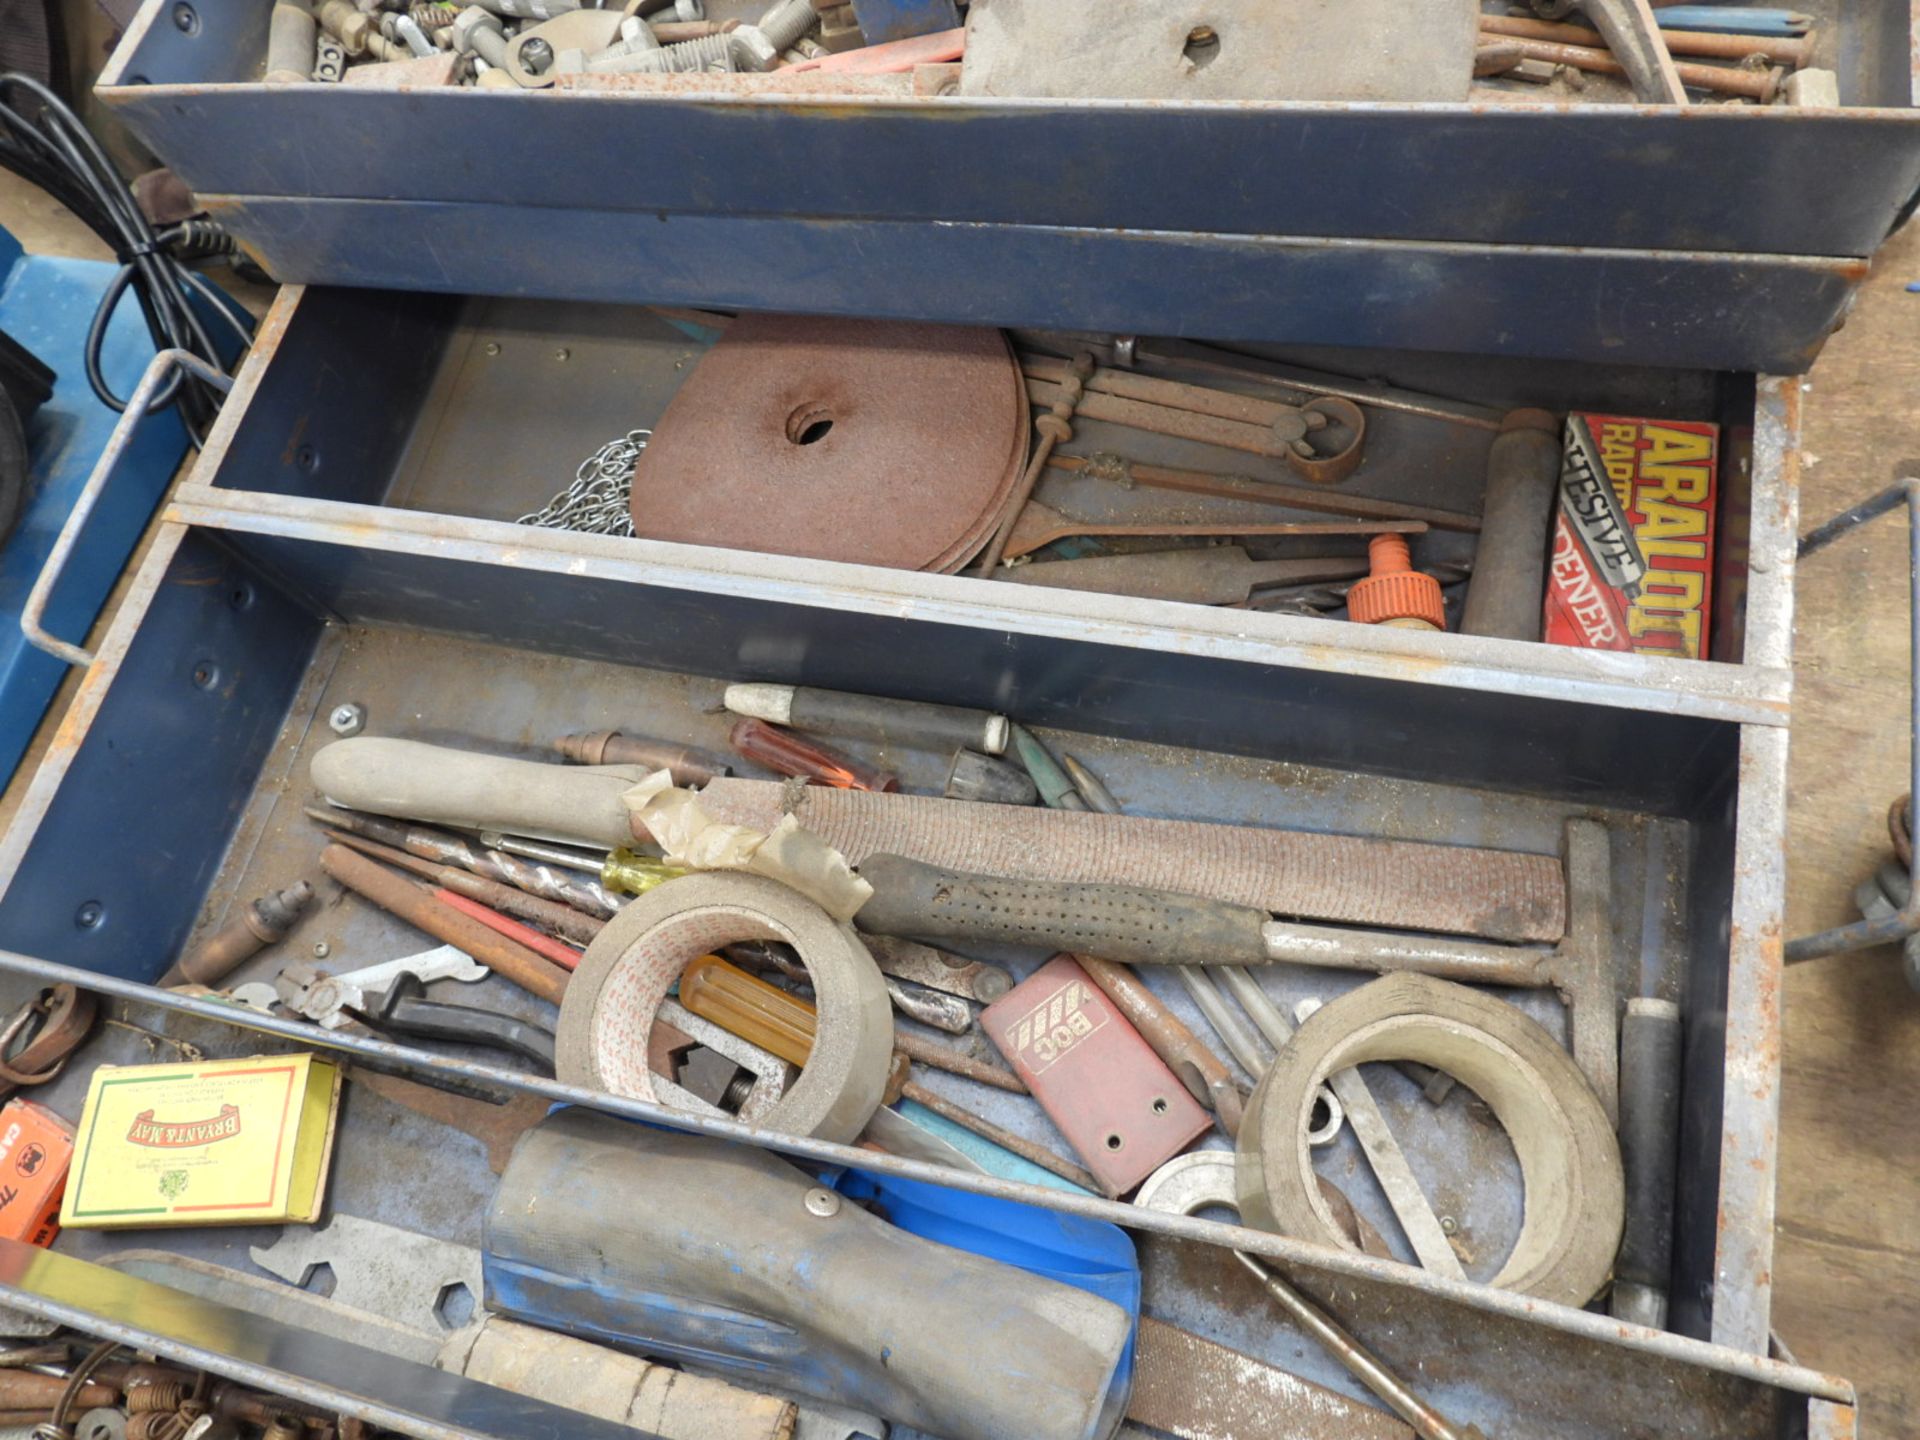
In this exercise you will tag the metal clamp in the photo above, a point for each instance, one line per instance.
(159, 372)
(1893, 925)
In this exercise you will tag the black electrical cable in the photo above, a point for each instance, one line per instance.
(44, 142)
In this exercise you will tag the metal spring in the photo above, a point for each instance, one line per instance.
(157, 1425)
(155, 1395)
(434, 14)
(600, 499)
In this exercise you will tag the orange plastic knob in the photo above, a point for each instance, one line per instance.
(1395, 593)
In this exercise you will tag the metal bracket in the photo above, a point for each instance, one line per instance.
(1894, 925)
(158, 372)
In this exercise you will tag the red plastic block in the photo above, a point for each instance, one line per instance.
(1118, 1104)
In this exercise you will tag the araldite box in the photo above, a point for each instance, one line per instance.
(36, 1147)
(1632, 563)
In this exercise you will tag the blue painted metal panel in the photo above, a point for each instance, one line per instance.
(1648, 760)
(46, 304)
(1766, 313)
(1714, 178)
(884, 20)
(172, 756)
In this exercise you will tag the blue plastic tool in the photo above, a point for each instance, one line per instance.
(1090, 1254)
(1733, 20)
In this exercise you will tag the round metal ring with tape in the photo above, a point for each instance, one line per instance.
(614, 996)
(1569, 1157)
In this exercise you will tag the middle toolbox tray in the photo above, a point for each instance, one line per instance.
(348, 538)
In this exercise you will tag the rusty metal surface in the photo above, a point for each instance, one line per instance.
(1191, 1387)
(1362, 880)
(868, 441)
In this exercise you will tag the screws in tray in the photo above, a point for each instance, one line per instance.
(347, 719)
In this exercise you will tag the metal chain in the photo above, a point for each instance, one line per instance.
(600, 499)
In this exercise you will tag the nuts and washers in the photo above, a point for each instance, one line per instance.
(1188, 1184)
(822, 1202)
(401, 27)
(350, 718)
(749, 48)
(616, 994)
(537, 54)
(479, 32)
(1569, 1158)
(330, 60)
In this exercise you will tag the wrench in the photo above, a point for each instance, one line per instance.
(306, 991)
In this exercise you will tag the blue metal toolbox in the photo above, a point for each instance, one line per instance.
(349, 536)
(1721, 236)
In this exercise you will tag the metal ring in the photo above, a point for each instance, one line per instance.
(1329, 1130)
(615, 996)
(1188, 1184)
(1569, 1158)
(1335, 465)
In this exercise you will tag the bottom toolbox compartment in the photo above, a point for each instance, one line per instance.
(177, 794)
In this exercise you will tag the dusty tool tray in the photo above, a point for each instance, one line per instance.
(1722, 236)
(348, 537)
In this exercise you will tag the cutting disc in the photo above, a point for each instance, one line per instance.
(873, 441)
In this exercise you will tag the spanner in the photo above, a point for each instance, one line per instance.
(306, 991)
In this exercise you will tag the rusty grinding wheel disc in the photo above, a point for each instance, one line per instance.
(873, 441)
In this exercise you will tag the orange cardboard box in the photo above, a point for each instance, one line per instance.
(36, 1147)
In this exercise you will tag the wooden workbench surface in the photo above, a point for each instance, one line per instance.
(1847, 1266)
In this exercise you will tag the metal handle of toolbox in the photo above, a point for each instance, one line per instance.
(1905, 921)
(159, 371)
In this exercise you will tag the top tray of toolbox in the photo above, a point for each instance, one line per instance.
(1720, 235)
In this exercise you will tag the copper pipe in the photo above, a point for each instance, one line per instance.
(1795, 52)
(1761, 85)
(688, 764)
(561, 919)
(939, 1057)
(397, 895)
(260, 923)
(30, 1390)
(1005, 1139)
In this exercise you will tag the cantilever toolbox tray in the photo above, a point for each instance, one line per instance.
(1721, 236)
(348, 536)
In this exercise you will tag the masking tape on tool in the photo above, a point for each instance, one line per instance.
(616, 993)
(1569, 1158)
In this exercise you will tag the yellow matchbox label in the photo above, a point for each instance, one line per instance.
(219, 1142)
